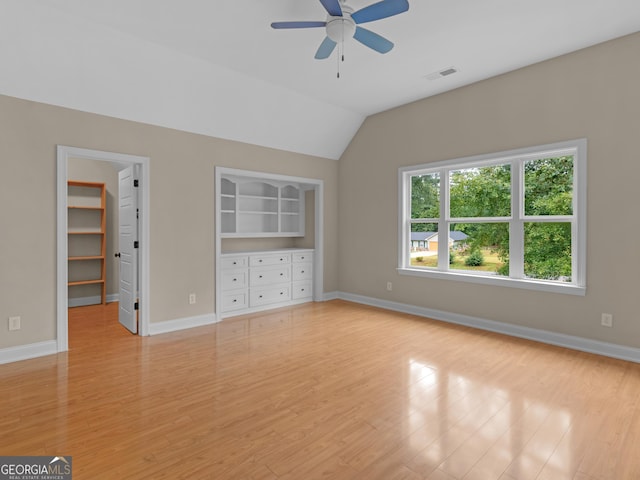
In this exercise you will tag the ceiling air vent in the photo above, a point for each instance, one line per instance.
(442, 73)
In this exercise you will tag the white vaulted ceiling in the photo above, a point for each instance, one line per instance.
(217, 68)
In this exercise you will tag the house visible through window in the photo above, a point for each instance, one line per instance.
(513, 218)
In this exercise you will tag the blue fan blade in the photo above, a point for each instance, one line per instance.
(325, 49)
(332, 7)
(372, 40)
(383, 9)
(297, 24)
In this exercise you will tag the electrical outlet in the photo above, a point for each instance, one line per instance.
(14, 323)
(389, 286)
(606, 320)
(192, 298)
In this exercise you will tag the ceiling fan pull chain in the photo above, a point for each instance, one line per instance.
(343, 40)
(340, 52)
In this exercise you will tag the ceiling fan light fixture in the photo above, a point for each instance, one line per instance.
(340, 28)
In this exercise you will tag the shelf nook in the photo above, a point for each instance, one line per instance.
(86, 229)
(252, 207)
(264, 257)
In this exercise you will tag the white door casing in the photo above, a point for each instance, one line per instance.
(121, 161)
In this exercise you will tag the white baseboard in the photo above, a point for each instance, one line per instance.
(263, 308)
(25, 352)
(331, 296)
(50, 347)
(94, 300)
(181, 324)
(559, 339)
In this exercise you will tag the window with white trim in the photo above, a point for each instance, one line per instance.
(512, 218)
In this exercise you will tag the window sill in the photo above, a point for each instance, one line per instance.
(567, 289)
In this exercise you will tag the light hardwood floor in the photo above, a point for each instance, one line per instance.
(329, 390)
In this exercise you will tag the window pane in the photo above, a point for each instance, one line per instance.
(482, 247)
(480, 192)
(548, 186)
(424, 245)
(547, 251)
(425, 196)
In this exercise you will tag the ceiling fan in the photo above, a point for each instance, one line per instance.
(342, 23)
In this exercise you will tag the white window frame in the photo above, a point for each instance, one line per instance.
(516, 158)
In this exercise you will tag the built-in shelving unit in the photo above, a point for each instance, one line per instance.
(268, 255)
(86, 231)
(252, 206)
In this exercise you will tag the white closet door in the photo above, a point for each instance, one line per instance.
(127, 237)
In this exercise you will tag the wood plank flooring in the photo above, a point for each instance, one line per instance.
(326, 390)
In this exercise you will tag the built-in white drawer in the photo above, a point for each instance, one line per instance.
(258, 280)
(267, 295)
(234, 279)
(270, 275)
(301, 290)
(234, 262)
(301, 257)
(269, 259)
(301, 271)
(234, 301)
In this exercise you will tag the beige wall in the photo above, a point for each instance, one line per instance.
(181, 208)
(593, 93)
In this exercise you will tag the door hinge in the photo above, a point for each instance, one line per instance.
(135, 306)
(136, 244)
(136, 183)
(137, 213)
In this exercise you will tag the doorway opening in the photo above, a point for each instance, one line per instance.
(134, 273)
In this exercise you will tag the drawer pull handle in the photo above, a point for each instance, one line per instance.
(302, 289)
(302, 271)
(260, 261)
(235, 263)
(260, 296)
(235, 279)
(282, 274)
(259, 276)
(235, 300)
